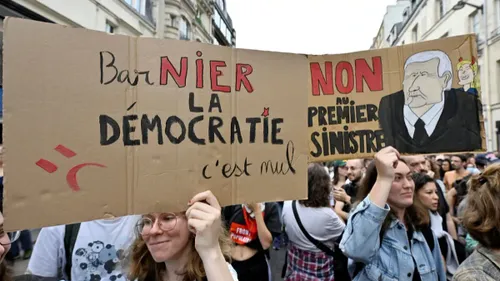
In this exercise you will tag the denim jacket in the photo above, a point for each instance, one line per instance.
(391, 259)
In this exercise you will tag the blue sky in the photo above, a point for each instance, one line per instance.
(307, 26)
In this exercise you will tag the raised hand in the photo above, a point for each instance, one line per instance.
(204, 220)
(386, 161)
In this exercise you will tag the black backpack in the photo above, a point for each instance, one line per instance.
(70, 235)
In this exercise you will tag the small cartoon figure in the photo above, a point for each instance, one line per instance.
(468, 76)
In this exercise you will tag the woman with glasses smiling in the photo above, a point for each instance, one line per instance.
(187, 246)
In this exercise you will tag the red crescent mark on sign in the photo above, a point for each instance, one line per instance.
(71, 176)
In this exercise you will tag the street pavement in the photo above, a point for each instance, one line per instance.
(21, 265)
(277, 260)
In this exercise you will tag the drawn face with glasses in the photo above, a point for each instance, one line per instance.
(166, 235)
(6, 239)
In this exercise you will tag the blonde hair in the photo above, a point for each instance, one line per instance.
(475, 81)
(482, 214)
(143, 267)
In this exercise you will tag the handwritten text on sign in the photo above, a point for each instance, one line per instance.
(342, 79)
(176, 130)
(164, 119)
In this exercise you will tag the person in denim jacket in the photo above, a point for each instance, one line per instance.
(387, 211)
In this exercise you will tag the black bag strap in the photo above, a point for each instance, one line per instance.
(316, 243)
(285, 265)
(70, 235)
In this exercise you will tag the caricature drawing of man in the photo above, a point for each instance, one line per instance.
(428, 116)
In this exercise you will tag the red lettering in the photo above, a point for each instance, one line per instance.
(319, 81)
(179, 76)
(242, 72)
(372, 76)
(199, 71)
(339, 77)
(214, 75)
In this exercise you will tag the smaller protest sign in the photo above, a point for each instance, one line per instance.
(420, 98)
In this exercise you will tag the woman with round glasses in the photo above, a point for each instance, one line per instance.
(188, 246)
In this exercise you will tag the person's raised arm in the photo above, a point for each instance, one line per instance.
(266, 226)
(361, 239)
(204, 220)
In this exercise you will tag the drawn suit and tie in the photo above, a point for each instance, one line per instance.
(428, 116)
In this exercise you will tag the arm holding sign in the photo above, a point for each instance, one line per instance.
(204, 220)
(265, 236)
(363, 244)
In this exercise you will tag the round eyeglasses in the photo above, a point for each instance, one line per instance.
(13, 236)
(166, 222)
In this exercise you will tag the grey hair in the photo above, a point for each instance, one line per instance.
(443, 66)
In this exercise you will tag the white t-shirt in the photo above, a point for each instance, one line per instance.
(323, 224)
(98, 255)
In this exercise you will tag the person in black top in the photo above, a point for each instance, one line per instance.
(344, 197)
(252, 228)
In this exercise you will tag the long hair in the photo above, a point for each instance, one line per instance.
(441, 171)
(414, 215)
(420, 181)
(336, 176)
(482, 214)
(144, 268)
(318, 187)
(5, 272)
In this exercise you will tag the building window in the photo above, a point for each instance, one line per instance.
(229, 35)
(217, 19)
(475, 24)
(440, 9)
(414, 33)
(140, 6)
(184, 29)
(221, 4)
(110, 28)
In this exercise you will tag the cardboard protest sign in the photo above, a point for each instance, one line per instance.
(420, 98)
(99, 124)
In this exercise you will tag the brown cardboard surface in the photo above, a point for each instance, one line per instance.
(56, 99)
(458, 128)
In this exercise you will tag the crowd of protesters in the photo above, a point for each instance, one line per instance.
(393, 217)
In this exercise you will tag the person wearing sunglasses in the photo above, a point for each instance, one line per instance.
(187, 246)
